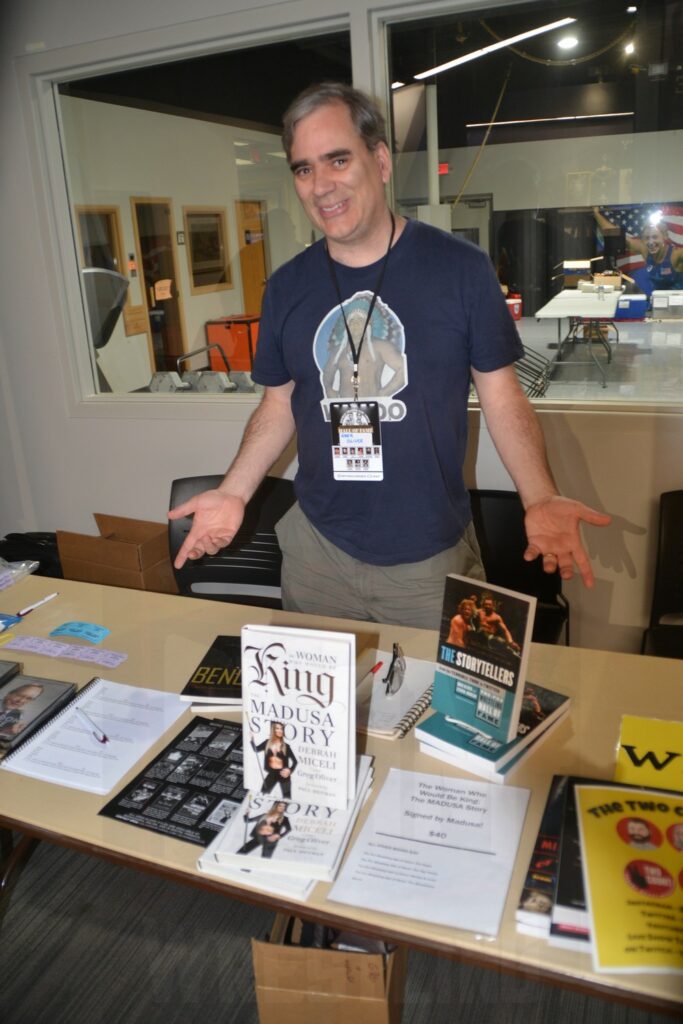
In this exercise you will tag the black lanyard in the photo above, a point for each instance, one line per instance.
(355, 353)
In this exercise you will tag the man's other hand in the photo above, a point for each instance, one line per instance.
(216, 519)
(552, 529)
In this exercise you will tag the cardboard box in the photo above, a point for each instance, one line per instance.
(128, 553)
(607, 280)
(302, 985)
(575, 271)
(595, 332)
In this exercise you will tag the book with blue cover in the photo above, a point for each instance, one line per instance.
(472, 749)
(482, 656)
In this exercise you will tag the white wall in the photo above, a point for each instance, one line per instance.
(643, 168)
(62, 457)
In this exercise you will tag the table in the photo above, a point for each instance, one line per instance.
(165, 637)
(587, 310)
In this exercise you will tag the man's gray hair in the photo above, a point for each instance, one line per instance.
(366, 116)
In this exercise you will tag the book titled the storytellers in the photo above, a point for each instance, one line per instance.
(482, 655)
(299, 714)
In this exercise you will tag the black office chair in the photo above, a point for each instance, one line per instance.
(248, 570)
(498, 518)
(665, 639)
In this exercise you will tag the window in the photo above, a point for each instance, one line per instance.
(189, 155)
(561, 146)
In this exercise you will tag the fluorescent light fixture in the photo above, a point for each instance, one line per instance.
(567, 42)
(279, 154)
(631, 9)
(540, 120)
(397, 85)
(630, 47)
(496, 46)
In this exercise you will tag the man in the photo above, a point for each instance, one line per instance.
(461, 624)
(11, 710)
(493, 624)
(639, 834)
(383, 513)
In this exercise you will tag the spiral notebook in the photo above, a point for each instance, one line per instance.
(97, 737)
(391, 715)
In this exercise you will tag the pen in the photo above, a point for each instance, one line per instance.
(371, 672)
(30, 608)
(363, 688)
(91, 727)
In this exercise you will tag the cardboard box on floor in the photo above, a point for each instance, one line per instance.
(128, 553)
(303, 985)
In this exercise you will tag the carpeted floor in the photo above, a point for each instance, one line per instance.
(87, 942)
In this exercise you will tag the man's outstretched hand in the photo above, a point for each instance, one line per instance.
(216, 519)
(552, 529)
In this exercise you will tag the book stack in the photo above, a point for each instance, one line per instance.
(284, 846)
(305, 785)
(216, 683)
(602, 878)
(487, 717)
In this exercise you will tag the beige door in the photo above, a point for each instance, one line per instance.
(251, 239)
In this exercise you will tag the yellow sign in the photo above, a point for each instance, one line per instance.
(632, 855)
(650, 753)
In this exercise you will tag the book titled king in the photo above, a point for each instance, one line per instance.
(482, 656)
(217, 678)
(299, 714)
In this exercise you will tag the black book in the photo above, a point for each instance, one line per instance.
(217, 679)
(26, 704)
(533, 915)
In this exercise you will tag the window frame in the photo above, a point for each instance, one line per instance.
(39, 77)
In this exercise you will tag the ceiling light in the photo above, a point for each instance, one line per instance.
(539, 120)
(630, 47)
(496, 46)
(397, 85)
(631, 10)
(567, 42)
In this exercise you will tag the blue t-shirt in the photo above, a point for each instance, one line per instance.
(663, 276)
(440, 311)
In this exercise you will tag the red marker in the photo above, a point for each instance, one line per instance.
(371, 672)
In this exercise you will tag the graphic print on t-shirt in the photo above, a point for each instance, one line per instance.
(382, 368)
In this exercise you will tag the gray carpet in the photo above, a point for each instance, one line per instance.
(87, 942)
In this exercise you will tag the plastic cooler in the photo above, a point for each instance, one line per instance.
(514, 304)
(631, 307)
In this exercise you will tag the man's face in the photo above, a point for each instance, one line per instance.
(653, 239)
(21, 696)
(338, 180)
(638, 832)
(488, 606)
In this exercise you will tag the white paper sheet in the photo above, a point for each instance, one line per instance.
(68, 752)
(436, 849)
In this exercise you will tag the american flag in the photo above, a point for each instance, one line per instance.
(633, 219)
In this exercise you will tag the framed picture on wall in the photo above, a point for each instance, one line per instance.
(206, 242)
